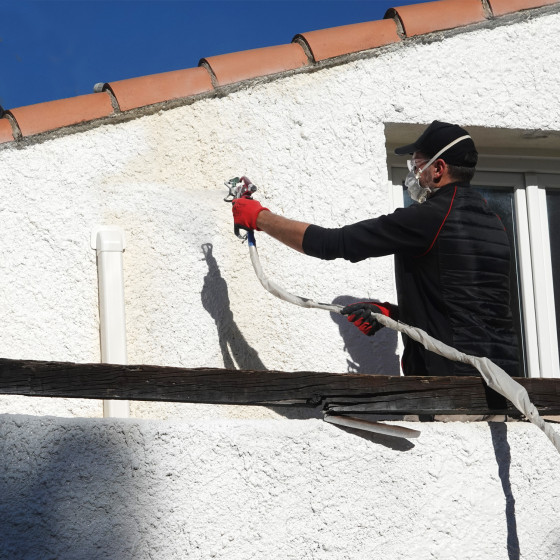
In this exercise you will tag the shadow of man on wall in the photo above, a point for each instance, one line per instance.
(215, 300)
(236, 351)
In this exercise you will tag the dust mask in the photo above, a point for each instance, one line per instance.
(415, 190)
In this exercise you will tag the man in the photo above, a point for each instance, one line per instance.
(452, 257)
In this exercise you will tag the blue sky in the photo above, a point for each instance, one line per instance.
(52, 49)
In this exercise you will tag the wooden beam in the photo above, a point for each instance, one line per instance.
(336, 392)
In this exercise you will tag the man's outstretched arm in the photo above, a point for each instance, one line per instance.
(249, 214)
(289, 232)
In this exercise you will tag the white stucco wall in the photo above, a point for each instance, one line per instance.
(240, 489)
(315, 145)
(238, 482)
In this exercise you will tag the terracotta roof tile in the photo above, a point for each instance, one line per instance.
(404, 21)
(51, 115)
(417, 19)
(336, 41)
(238, 66)
(501, 7)
(6, 134)
(155, 88)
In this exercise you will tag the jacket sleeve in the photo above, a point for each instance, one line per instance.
(409, 231)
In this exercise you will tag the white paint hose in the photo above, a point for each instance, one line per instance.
(494, 376)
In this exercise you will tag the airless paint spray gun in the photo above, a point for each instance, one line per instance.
(239, 187)
(494, 376)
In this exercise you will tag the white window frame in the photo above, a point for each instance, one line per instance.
(529, 177)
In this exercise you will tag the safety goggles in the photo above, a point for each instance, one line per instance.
(414, 164)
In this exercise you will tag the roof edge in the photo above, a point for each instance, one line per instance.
(124, 100)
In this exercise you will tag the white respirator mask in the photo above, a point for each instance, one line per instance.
(416, 191)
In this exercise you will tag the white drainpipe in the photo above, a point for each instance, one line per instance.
(109, 243)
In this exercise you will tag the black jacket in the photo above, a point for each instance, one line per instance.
(452, 264)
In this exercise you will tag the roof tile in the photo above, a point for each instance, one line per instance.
(6, 134)
(501, 7)
(411, 20)
(155, 88)
(34, 119)
(238, 66)
(336, 41)
(418, 19)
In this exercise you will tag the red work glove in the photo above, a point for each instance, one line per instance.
(361, 314)
(245, 212)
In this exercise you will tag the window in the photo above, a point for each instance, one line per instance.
(525, 193)
(553, 209)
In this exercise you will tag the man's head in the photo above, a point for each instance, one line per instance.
(444, 153)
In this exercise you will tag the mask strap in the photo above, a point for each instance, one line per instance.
(450, 145)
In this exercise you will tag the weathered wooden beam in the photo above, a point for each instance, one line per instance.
(336, 392)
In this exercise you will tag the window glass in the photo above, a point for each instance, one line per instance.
(553, 205)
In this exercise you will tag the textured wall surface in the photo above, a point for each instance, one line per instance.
(85, 489)
(314, 143)
(239, 482)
